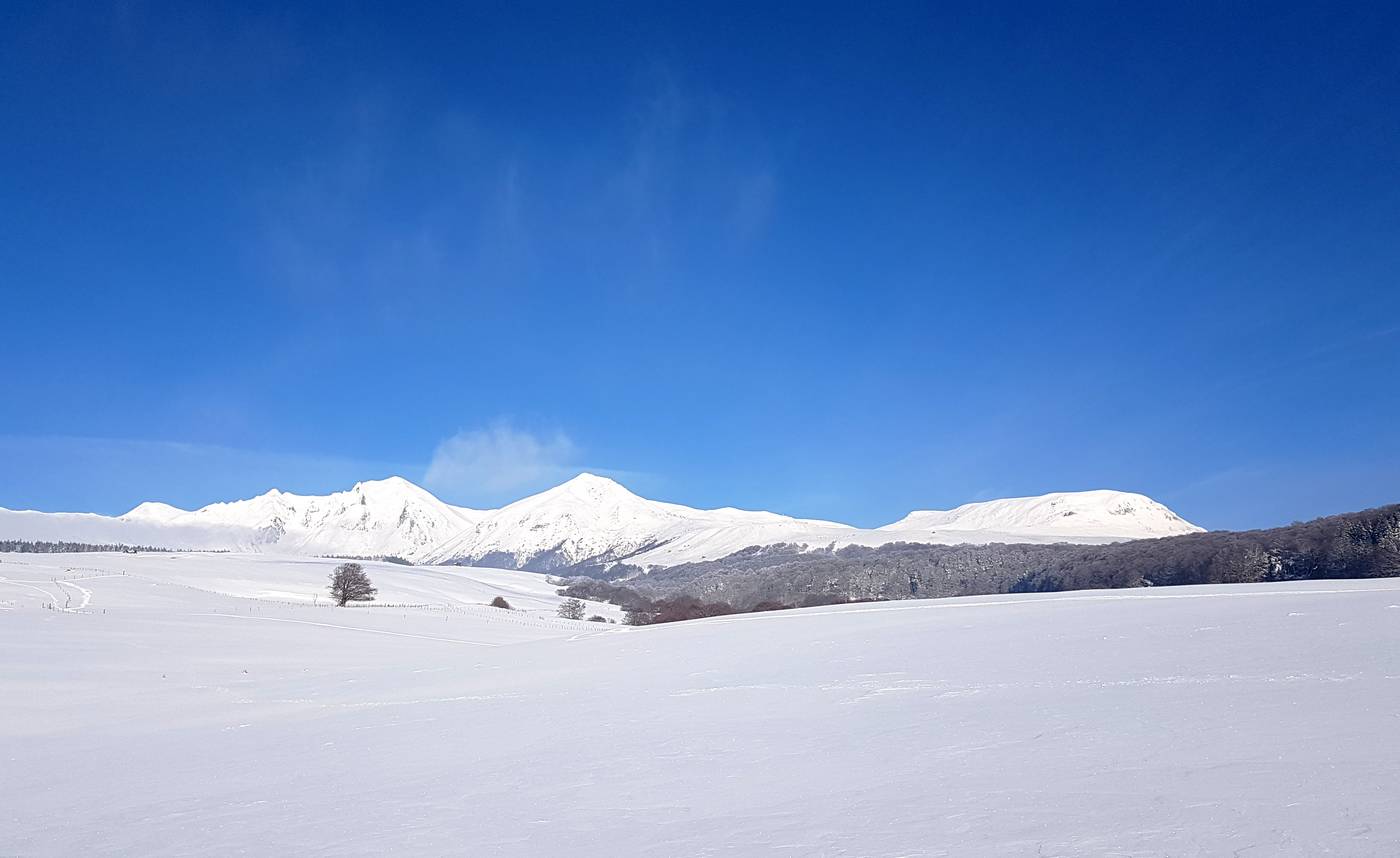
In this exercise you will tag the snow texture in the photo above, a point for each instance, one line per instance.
(201, 706)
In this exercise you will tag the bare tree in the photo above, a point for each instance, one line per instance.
(349, 583)
(571, 609)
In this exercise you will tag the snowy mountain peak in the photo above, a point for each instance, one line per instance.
(391, 516)
(153, 511)
(586, 517)
(592, 488)
(390, 486)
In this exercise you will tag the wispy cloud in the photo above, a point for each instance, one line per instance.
(404, 207)
(499, 462)
(691, 163)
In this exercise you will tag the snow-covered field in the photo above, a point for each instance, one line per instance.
(203, 705)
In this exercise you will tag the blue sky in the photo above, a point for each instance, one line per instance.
(840, 262)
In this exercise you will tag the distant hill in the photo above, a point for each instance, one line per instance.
(1354, 545)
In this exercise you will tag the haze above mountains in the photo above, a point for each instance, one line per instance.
(587, 520)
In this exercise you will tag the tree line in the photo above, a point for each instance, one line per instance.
(1354, 545)
(25, 546)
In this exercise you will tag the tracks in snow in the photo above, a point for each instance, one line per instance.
(82, 591)
(30, 585)
(84, 594)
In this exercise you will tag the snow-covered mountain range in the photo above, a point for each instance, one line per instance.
(589, 519)
(379, 518)
(390, 517)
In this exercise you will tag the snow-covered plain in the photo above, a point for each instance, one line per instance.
(201, 706)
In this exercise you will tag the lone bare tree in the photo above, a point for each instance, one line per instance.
(571, 609)
(349, 583)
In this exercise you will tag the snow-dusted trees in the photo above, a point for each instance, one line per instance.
(349, 583)
(571, 609)
(24, 546)
(1362, 544)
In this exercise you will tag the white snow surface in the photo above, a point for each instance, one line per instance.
(588, 518)
(168, 709)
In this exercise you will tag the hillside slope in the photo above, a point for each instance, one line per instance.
(1364, 544)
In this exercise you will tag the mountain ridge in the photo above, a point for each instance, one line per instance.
(588, 519)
